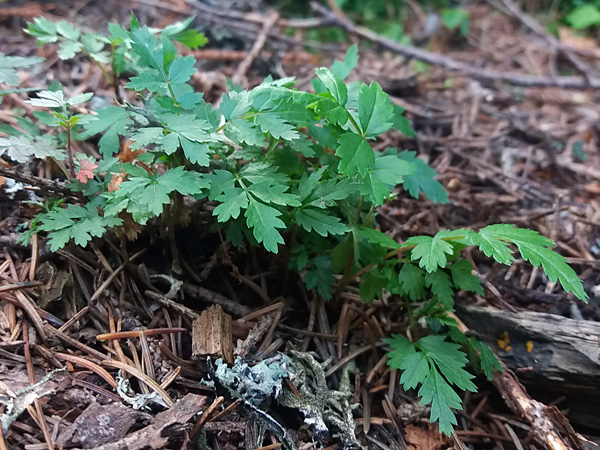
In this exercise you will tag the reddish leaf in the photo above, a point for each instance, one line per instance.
(86, 170)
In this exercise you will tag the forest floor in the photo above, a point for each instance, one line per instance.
(514, 140)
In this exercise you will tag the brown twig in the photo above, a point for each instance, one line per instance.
(543, 425)
(449, 63)
(74, 342)
(21, 285)
(29, 307)
(100, 371)
(46, 186)
(181, 309)
(240, 73)
(244, 23)
(228, 409)
(546, 421)
(229, 306)
(205, 416)
(31, 375)
(137, 333)
(143, 378)
(569, 52)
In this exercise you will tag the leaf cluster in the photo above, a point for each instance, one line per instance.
(113, 49)
(9, 74)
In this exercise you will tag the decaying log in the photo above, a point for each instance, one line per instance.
(552, 355)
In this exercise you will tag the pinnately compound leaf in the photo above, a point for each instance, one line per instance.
(533, 248)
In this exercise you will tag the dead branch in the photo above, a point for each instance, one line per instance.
(240, 73)
(48, 186)
(242, 23)
(513, 9)
(449, 63)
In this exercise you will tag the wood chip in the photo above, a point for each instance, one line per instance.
(211, 335)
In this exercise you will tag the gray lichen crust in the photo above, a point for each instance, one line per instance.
(325, 411)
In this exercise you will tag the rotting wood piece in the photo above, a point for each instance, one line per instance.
(99, 424)
(548, 425)
(165, 425)
(546, 345)
(552, 355)
(212, 335)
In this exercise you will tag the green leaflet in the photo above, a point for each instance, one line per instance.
(386, 174)
(375, 111)
(412, 281)
(180, 31)
(21, 149)
(274, 193)
(342, 69)
(415, 368)
(112, 121)
(356, 155)
(232, 201)
(449, 359)
(320, 276)
(431, 252)
(182, 70)
(63, 32)
(441, 286)
(264, 222)
(488, 360)
(9, 64)
(276, 127)
(377, 237)
(372, 285)
(423, 180)
(435, 364)
(440, 395)
(145, 196)
(334, 85)
(463, 278)
(324, 224)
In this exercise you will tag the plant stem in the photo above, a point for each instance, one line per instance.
(70, 153)
(355, 125)
(369, 217)
(358, 208)
(243, 116)
(346, 271)
(411, 315)
(106, 74)
(173, 94)
(345, 280)
(274, 144)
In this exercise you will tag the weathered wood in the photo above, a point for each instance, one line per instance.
(212, 336)
(552, 355)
